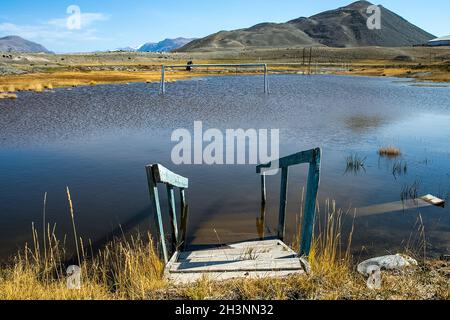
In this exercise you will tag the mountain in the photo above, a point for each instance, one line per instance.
(261, 35)
(347, 27)
(18, 44)
(126, 49)
(166, 45)
(342, 27)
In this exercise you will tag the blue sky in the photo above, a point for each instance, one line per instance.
(110, 24)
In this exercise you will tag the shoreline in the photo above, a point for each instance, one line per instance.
(38, 82)
(38, 72)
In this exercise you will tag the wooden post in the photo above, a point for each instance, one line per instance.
(263, 189)
(310, 205)
(261, 222)
(163, 81)
(154, 199)
(310, 59)
(266, 86)
(304, 56)
(184, 220)
(173, 217)
(283, 203)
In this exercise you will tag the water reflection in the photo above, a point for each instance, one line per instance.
(97, 141)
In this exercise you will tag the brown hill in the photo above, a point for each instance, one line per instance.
(342, 27)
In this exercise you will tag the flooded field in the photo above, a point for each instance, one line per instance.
(97, 140)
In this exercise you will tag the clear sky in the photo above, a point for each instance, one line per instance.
(111, 24)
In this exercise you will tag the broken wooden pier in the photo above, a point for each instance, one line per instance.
(250, 259)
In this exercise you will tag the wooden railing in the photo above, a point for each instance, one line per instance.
(312, 157)
(157, 174)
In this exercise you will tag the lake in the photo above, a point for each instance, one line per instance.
(97, 140)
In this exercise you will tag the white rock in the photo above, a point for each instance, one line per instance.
(374, 281)
(394, 262)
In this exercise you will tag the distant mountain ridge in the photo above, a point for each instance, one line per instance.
(166, 45)
(342, 27)
(18, 44)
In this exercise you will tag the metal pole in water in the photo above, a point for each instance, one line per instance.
(266, 85)
(163, 84)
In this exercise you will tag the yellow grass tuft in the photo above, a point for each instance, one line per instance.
(389, 152)
(8, 96)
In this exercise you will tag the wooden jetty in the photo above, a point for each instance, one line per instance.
(250, 259)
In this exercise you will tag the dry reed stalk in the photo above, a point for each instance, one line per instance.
(73, 224)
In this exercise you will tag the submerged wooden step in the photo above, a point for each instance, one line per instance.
(253, 259)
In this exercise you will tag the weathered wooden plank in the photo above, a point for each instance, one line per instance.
(164, 175)
(248, 251)
(283, 203)
(310, 204)
(240, 256)
(154, 200)
(399, 206)
(253, 252)
(435, 201)
(264, 245)
(246, 265)
(224, 276)
(292, 160)
(275, 259)
(184, 219)
(173, 217)
(263, 189)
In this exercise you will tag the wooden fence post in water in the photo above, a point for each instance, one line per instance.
(310, 205)
(263, 189)
(154, 199)
(162, 89)
(158, 174)
(266, 83)
(184, 220)
(283, 203)
(173, 217)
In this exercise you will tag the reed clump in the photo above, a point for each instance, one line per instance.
(355, 164)
(390, 152)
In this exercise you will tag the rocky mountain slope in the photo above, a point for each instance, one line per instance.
(342, 27)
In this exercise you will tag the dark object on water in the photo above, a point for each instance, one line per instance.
(188, 68)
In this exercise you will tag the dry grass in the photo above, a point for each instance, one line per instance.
(129, 268)
(122, 270)
(8, 95)
(38, 82)
(149, 72)
(390, 152)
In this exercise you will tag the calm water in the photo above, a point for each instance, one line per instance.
(97, 140)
